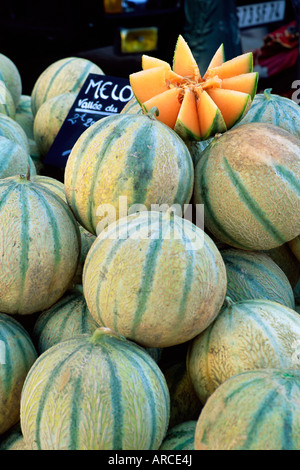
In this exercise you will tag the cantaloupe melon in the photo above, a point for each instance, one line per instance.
(196, 107)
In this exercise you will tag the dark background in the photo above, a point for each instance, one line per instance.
(35, 33)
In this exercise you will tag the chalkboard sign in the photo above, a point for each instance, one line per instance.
(100, 96)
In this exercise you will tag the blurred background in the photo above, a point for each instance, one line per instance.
(114, 34)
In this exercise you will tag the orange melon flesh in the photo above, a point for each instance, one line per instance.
(184, 63)
(246, 82)
(231, 103)
(196, 108)
(149, 62)
(210, 118)
(218, 58)
(148, 83)
(187, 123)
(240, 64)
(168, 104)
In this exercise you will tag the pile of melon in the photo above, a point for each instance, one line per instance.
(151, 299)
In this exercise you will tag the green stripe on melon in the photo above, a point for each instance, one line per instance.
(103, 380)
(262, 404)
(250, 334)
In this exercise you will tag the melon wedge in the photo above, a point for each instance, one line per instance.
(246, 82)
(148, 83)
(232, 104)
(168, 104)
(236, 66)
(210, 117)
(196, 107)
(218, 58)
(187, 124)
(183, 61)
(148, 62)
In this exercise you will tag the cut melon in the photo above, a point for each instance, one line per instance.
(149, 62)
(187, 122)
(218, 58)
(232, 104)
(183, 61)
(168, 105)
(210, 117)
(246, 82)
(196, 108)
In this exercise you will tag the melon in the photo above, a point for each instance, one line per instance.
(49, 119)
(248, 181)
(254, 275)
(68, 317)
(132, 107)
(95, 392)
(7, 106)
(196, 106)
(11, 129)
(246, 335)
(25, 119)
(62, 76)
(13, 159)
(254, 410)
(17, 355)
(40, 246)
(274, 109)
(123, 163)
(180, 437)
(155, 278)
(10, 75)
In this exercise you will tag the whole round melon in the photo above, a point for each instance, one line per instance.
(154, 277)
(274, 109)
(7, 105)
(246, 335)
(95, 392)
(49, 119)
(13, 159)
(180, 437)
(17, 355)
(40, 246)
(11, 129)
(64, 75)
(68, 317)
(10, 75)
(125, 163)
(254, 275)
(254, 410)
(248, 181)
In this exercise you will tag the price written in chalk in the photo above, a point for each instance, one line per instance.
(99, 96)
